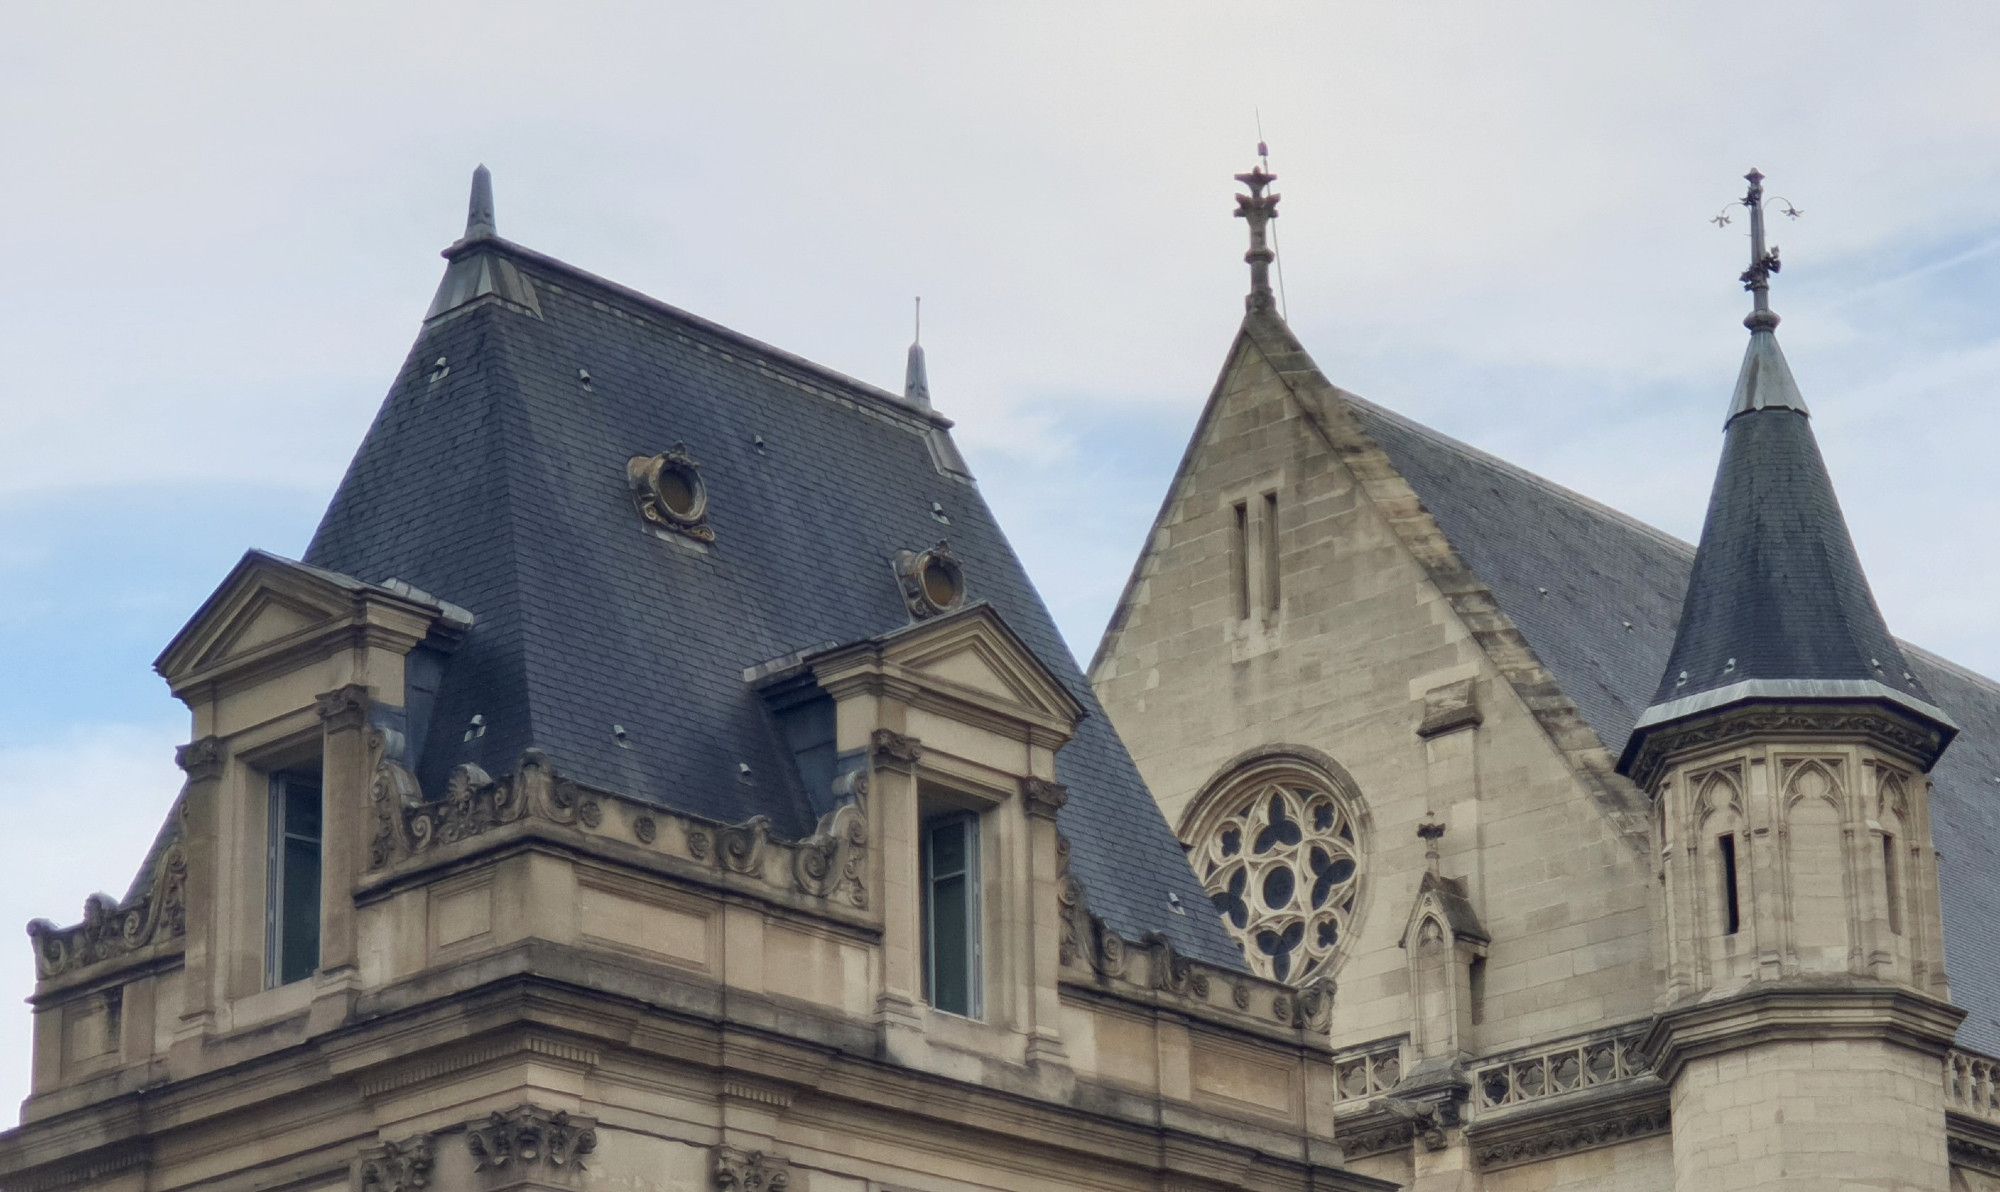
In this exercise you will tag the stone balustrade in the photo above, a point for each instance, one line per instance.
(1582, 1063)
(1366, 1071)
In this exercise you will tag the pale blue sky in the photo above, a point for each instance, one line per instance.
(221, 224)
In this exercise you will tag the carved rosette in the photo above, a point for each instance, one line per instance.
(530, 1136)
(111, 928)
(1044, 798)
(398, 1166)
(750, 1171)
(201, 759)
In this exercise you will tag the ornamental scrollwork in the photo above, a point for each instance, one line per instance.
(894, 748)
(1172, 972)
(741, 846)
(528, 1136)
(1043, 797)
(834, 860)
(474, 802)
(750, 1171)
(1583, 1136)
(398, 1166)
(111, 928)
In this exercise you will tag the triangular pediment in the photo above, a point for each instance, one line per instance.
(269, 606)
(974, 653)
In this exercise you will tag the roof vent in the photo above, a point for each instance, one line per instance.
(619, 735)
(932, 581)
(1729, 667)
(440, 369)
(475, 728)
(938, 514)
(757, 441)
(583, 374)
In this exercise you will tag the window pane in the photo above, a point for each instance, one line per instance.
(300, 913)
(952, 960)
(948, 847)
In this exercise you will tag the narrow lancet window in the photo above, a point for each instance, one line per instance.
(1239, 559)
(293, 866)
(1892, 882)
(1732, 919)
(1270, 551)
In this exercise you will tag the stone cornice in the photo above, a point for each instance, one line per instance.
(1886, 726)
(1763, 1012)
(1972, 1142)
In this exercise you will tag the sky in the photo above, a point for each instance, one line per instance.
(220, 224)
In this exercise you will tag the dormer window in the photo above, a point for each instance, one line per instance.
(669, 492)
(292, 907)
(933, 581)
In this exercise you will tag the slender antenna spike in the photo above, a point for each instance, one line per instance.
(479, 222)
(916, 378)
(920, 320)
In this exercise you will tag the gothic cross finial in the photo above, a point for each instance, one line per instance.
(1763, 262)
(1259, 209)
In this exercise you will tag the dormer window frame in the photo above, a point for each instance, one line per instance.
(294, 874)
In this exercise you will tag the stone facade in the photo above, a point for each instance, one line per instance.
(1527, 1039)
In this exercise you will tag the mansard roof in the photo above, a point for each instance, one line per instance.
(1598, 595)
(495, 477)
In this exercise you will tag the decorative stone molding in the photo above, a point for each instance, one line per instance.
(667, 489)
(1172, 972)
(1043, 798)
(893, 750)
(1773, 1010)
(1973, 1142)
(1375, 1135)
(750, 1171)
(529, 1136)
(344, 707)
(1606, 1117)
(1582, 1064)
(200, 758)
(112, 929)
(833, 862)
(474, 802)
(1899, 734)
(741, 846)
(86, 1172)
(397, 1166)
(932, 581)
(1367, 1071)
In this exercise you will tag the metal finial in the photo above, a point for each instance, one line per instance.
(479, 210)
(1259, 209)
(1763, 262)
(916, 378)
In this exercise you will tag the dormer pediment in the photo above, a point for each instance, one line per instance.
(967, 664)
(271, 610)
(1442, 912)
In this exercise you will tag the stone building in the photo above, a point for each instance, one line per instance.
(658, 774)
(1620, 851)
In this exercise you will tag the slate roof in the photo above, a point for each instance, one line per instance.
(1778, 592)
(1571, 573)
(496, 480)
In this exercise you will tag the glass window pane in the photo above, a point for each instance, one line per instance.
(951, 955)
(300, 914)
(951, 914)
(294, 888)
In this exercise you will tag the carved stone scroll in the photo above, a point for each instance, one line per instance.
(111, 928)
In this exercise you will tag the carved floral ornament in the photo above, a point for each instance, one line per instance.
(1278, 848)
(750, 1171)
(398, 1166)
(529, 1136)
(669, 493)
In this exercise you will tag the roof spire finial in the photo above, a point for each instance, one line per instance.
(1763, 262)
(479, 223)
(1430, 831)
(916, 383)
(1259, 209)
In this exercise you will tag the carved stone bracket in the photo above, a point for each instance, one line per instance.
(111, 928)
(529, 1136)
(833, 862)
(201, 759)
(1044, 798)
(397, 1166)
(344, 707)
(750, 1171)
(893, 750)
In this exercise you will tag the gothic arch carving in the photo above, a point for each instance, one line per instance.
(1810, 778)
(1279, 838)
(1720, 794)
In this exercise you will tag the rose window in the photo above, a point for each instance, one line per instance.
(1279, 858)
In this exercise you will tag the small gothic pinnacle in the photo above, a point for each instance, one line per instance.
(479, 223)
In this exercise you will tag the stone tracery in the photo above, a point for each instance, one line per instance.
(1278, 848)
